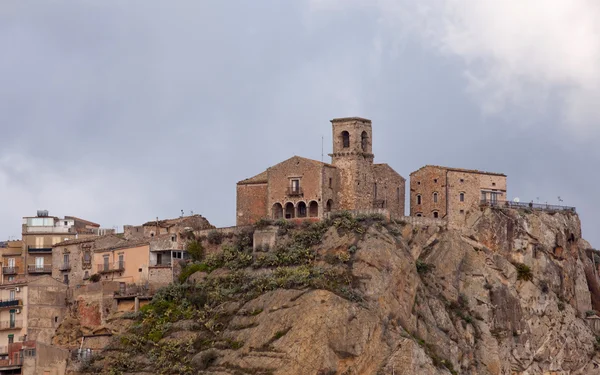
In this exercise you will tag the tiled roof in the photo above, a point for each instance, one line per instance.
(262, 178)
(83, 240)
(386, 165)
(125, 244)
(460, 170)
(258, 179)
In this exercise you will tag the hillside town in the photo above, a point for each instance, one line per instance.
(66, 268)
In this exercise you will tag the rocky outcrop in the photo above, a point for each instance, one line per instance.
(507, 295)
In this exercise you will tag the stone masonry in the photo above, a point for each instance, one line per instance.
(305, 188)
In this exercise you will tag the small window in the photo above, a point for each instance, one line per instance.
(330, 182)
(419, 214)
(56, 319)
(151, 234)
(462, 197)
(462, 211)
(419, 199)
(435, 180)
(173, 238)
(66, 223)
(418, 182)
(345, 139)
(435, 197)
(435, 214)
(462, 180)
(398, 194)
(493, 184)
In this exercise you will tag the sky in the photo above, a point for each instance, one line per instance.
(121, 112)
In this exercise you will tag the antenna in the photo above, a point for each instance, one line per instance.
(322, 138)
(181, 213)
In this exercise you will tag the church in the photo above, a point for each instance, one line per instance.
(304, 188)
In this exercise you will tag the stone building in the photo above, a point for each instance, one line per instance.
(72, 259)
(305, 188)
(174, 227)
(41, 232)
(450, 193)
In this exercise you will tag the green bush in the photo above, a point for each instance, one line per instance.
(423, 267)
(191, 269)
(524, 272)
(95, 278)
(195, 250)
(214, 237)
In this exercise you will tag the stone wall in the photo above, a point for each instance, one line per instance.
(160, 275)
(46, 308)
(251, 203)
(421, 221)
(265, 239)
(426, 182)
(48, 360)
(390, 189)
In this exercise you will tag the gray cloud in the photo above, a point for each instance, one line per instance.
(121, 112)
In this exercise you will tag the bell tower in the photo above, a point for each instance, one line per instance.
(353, 156)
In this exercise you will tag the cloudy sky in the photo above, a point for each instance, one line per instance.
(120, 112)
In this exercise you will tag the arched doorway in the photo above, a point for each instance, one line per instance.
(301, 209)
(277, 211)
(329, 205)
(289, 210)
(313, 209)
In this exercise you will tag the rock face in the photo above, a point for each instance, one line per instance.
(507, 295)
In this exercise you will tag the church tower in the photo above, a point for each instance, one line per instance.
(353, 156)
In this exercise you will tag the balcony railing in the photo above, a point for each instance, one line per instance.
(46, 268)
(32, 249)
(294, 191)
(8, 324)
(10, 270)
(111, 267)
(11, 362)
(10, 303)
(531, 205)
(65, 267)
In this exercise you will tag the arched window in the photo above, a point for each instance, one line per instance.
(313, 209)
(301, 209)
(277, 211)
(375, 190)
(364, 141)
(462, 197)
(418, 198)
(419, 214)
(345, 139)
(289, 210)
(436, 214)
(435, 197)
(329, 205)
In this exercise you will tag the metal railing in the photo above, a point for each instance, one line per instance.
(11, 324)
(292, 191)
(33, 268)
(530, 205)
(10, 270)
(111, 267)
(10, 303)
(32, 249)
(65, 267)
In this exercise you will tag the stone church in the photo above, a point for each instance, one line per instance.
(303, 188)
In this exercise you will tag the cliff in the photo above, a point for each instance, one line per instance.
(510, 294)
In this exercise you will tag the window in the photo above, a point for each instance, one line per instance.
(419, 214)
(177, 254)
(398, 194)
(12, 295)
(56, 319)
(11, 278)
(66, 279)
(462, 197)
(87, 257)
(364, 141)
(375, 190)
(29, 352)
(462, 180)
(151, 234)
(105, 262)
(493, 184)
(173, 238)
(295, 186)
(435, 197)
(121, 261)
(462, 211)
(435, 214)
(11, 262)
(483, 196)
(66, 259)
(66, 223)
(39, 263)
(418, 182)
(86, 275)
(330, 182)
(11, 338)
(435, 180)
(419, 199)
(345, 139)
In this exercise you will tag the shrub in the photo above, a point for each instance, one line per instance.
(524, 272)
(590, 313)
(214, 237)
(423, 267)
(263, 223)
(95, 278)
(195, 250)
(191, 269)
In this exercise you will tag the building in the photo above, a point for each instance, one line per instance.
(126, 262)
(13, 266)
(305, 188)
(30, 312)
(450, 193)
(42, 231)
(173, 227)
(72, 259)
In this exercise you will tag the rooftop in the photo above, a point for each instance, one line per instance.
(350, 119)
(460, 170)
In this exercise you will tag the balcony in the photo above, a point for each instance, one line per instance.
(46, 268)
(39, 250)
(111, 267)
(295, 191)
(8, 324)
(65, 267)
(10, 270)
(524, 205)
(10, 303)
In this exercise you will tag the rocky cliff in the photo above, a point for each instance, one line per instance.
(509, 294)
